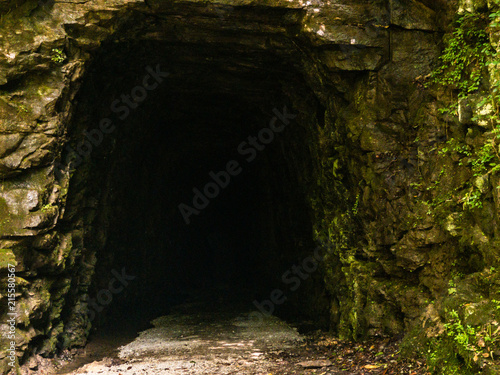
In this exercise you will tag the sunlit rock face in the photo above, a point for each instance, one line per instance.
(308, 121)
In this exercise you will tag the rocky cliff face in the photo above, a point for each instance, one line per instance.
(108, 109)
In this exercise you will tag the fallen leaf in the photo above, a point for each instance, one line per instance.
(371, 367)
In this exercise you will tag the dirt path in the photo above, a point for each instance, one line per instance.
(200, 338)
(210, 341)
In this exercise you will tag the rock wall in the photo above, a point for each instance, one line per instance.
(365, 151)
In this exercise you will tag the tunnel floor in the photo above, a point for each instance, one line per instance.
(216, 333)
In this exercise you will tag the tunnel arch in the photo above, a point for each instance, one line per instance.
(156, 118)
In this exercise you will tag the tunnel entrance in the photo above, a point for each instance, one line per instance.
(192, 167)
(144, 161)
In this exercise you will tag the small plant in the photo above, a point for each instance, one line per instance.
(474, 344)
(452, 287)
(356, 205)
(464, 67)
(472, 199)
(22, 109)
(58, 56)
(459, 332)
(465, 55)
(46, 208)
(455, 146)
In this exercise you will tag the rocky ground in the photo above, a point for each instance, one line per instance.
(195, 338)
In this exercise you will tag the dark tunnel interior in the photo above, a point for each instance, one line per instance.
(192, 132)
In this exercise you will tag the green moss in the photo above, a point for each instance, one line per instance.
(49, 345)
(6, 217)
(7, 258)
